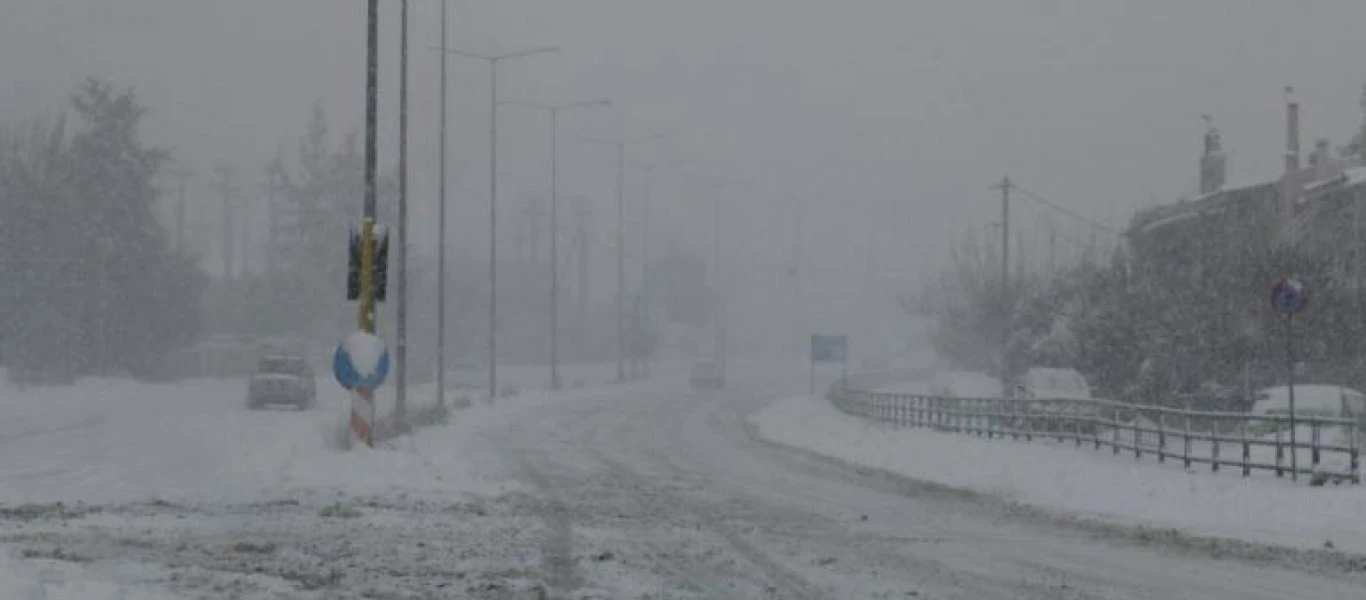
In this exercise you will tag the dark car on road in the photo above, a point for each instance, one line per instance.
(282, 380)
(707, 375)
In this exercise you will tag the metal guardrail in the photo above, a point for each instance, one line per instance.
(1257, 442)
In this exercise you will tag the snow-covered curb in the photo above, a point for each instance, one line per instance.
(1081, 482)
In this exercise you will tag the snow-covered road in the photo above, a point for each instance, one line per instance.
(644, 490)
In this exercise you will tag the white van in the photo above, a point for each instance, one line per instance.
(1046, 383)
(1041, 383)
(1311, 401)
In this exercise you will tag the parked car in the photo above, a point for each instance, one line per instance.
(707, 375)
(282, 380)
(1039, 387)
(1310, 401)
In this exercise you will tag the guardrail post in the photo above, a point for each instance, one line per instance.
(1215, 434)
(1076, 423)
(1138, 437)
(1186, 438)
(1114, 430)
(1094, 418)
(1213, 457)
(1314, 445)
(1280, 451)
(1354, 453)
(1247, 451)
(1161, 437)
(1012, 412)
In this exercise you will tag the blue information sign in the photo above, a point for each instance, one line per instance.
(829, 348)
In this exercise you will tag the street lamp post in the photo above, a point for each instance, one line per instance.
(554, 110)
(718, 317)
(401, 318)
(492, 60)
(621, 242)
(645, 211)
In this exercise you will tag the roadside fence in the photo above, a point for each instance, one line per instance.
(1325, 449)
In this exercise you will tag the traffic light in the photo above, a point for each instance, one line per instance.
(380, 280)
(353, 266)
(380, 276)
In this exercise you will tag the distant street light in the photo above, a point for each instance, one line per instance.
(621, 241)
(645, 211)
(554, 110)
(492, 60)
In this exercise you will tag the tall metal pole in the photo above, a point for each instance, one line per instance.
(367, 298)
(1005, 186)
(643, 296)
(401, 319)
(621, 262)
(554, 111)
(441, 230)
(1290, 389)
(182, 175)
(798, 315)
(493, 229)
(493, 182)
(1005, 237)
(180, 219)
(716, 275)
(554, 252)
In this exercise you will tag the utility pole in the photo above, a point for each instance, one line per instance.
(182, 175)
(226, 190)
(1005, 186)
(401, 318)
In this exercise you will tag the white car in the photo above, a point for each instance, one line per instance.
(282, 379)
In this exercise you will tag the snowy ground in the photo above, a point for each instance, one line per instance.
(1083, 482)
(646, 490)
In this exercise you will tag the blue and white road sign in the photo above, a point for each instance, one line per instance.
(1287, 297)
(361, 361)
(829, 348)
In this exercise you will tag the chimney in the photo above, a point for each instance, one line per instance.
(1212, 167)
(1290, 182)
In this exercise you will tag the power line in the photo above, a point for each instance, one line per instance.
(1067, 212)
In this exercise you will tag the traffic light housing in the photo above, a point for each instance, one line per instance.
(379, 278)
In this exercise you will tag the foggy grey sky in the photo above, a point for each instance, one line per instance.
(918, 104)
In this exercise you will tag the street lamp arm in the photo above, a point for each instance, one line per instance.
(526, 103)
(465, 53)
(527, 52)
(621, 142)
(497, 57)
(557, 107)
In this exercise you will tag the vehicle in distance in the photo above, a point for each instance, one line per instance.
(707, 375)
(282, 380)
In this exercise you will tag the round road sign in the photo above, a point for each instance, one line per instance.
(1287, 297)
